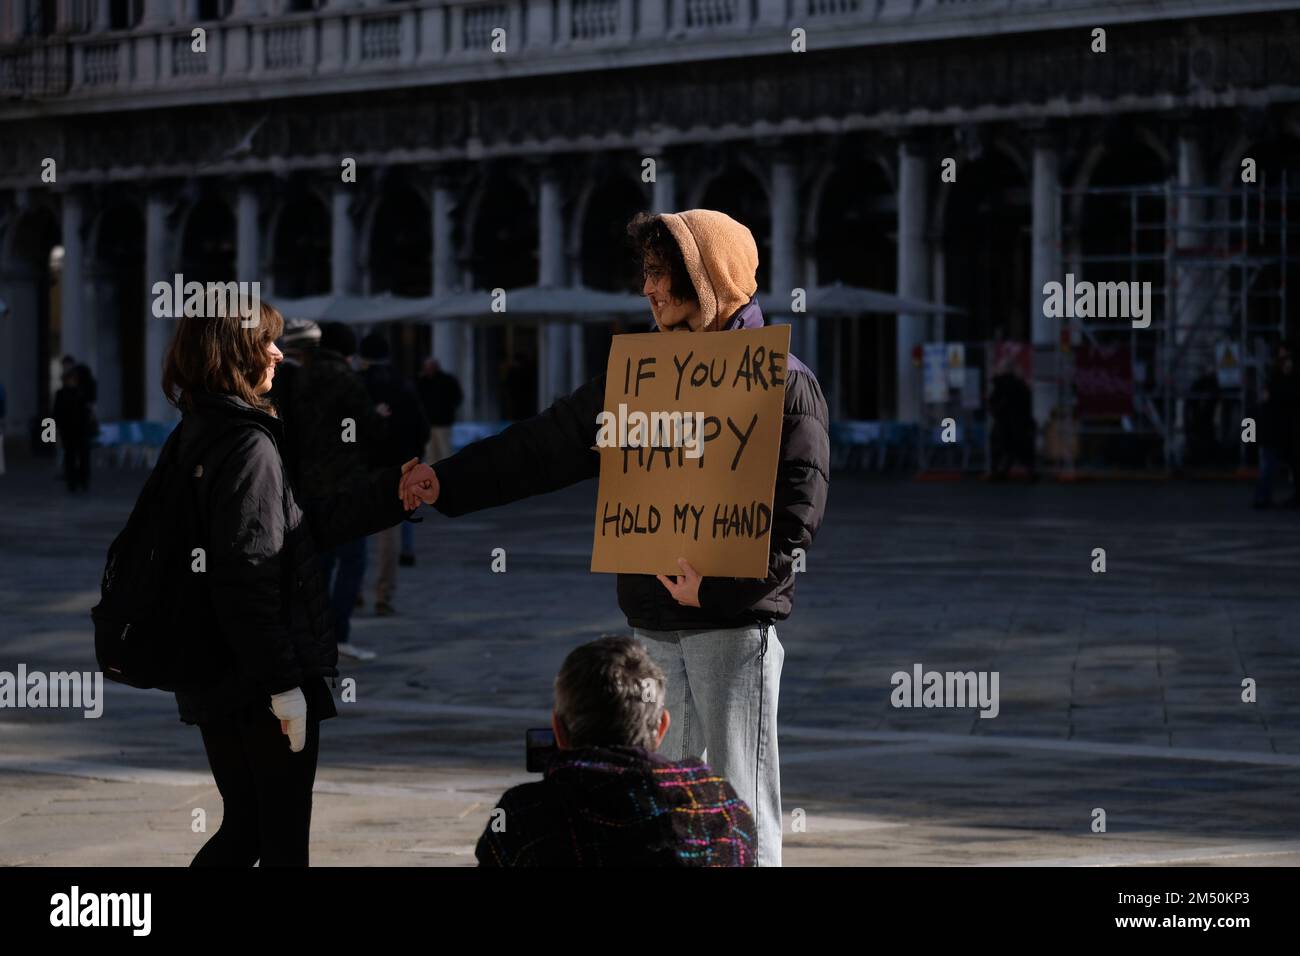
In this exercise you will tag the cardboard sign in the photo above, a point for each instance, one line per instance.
(697, 484)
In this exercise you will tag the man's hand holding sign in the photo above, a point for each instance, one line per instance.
(689, 441)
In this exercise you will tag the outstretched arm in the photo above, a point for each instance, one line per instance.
(359, 510)
(551, 450)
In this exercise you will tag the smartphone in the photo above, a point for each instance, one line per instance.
(539, 747)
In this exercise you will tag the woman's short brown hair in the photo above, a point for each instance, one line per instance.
(217, 354)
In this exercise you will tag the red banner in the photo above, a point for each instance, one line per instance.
(1103, 380)
(1017, 354)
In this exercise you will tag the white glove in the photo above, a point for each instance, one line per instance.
(291, 708)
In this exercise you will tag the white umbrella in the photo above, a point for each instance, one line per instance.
(356, 309)
(540, 304)
(839, 301)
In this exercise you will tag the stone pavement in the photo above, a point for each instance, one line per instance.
(1119, 690)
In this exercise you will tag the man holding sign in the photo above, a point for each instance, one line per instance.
(713, 456)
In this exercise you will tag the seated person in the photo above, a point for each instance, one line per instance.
(606, 798)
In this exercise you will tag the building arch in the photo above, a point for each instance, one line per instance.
(983, 223)
(854, 213)
(119, 308)
(208, 240)
(30, 287)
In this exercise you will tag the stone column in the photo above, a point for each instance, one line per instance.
(248, 248)
(1045, 266)
(785, 250)
(103, 300)
(913, 275)
(1193, 313)
(157, 268)
(453, 339)
(552, 338)
(343, 264)
(73, 286)
(665, 186)
(1192, 285)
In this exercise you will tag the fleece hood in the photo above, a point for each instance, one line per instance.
(721, 259)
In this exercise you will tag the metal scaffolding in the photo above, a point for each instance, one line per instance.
(1217, 261)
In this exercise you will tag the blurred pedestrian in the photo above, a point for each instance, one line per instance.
(407, 433)
(86, 378)
(1200, 420)
(336, 439)
(300, 337)
(73, 418)
(1277, 427)
(1011, 407)
(441, 396)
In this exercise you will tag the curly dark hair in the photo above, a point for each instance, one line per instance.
(655, 249)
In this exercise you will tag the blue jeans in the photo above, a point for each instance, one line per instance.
(721, 699)
(408, 538)
(345, 586)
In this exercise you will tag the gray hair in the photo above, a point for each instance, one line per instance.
(610, 693)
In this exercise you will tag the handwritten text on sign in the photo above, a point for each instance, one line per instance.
(668, 492)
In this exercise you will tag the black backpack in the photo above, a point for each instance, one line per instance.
(141, 636)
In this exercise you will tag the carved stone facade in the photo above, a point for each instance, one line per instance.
(802, 145)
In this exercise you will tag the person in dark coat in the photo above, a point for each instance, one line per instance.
(336, 439)
(1200, 419)
(1279, 429)
(407, 433)
(441, 396)
(1011, 407)
(716, 635)
(607, 797)
(85, 378)
(74, 417)
(259, 604)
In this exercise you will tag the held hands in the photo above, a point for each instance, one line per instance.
(419, 484)
(684, 588)
(291, 708)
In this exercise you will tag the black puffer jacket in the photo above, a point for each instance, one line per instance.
(260, 603)
(556, 448)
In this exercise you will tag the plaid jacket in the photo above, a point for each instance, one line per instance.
(620, 806)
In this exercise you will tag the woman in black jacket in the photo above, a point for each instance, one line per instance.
(265, 623)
